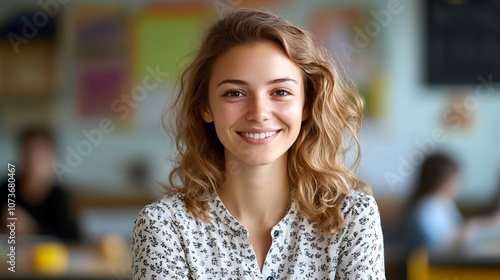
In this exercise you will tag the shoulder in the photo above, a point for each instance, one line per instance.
(360, 212)
(358, 203)
(361, 248)
(170, 206)
(430, 206)
(167, 215)
(58, 193)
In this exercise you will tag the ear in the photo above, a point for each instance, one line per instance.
(207, 115)
(307, 105)
(305, 113)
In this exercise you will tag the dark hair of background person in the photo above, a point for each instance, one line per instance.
(36, 132)
(435, 170)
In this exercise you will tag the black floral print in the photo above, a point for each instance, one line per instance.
(168, 243)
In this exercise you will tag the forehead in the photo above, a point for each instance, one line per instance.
(257, 62)
(37, 142)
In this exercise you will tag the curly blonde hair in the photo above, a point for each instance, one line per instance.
(316, 163)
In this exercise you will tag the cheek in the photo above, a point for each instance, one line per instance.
(225, 116)
(292, 113)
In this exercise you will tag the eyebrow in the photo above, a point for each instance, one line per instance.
(245, 83)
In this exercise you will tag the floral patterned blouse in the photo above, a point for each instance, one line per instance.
(168, 243)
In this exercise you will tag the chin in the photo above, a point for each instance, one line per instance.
(260, 161)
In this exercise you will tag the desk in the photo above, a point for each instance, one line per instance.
(82, 262)
(482, 263)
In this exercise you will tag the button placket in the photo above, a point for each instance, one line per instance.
(250, 261)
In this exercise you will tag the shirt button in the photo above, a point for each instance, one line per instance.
(275, 234)
(270, 277)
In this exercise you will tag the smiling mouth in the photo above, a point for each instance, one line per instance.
(258, 136)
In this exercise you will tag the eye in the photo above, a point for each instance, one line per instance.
(281, 93)
(234, 93)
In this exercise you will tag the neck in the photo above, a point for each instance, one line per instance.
(35, 190)
(257, 194)
(444, 193)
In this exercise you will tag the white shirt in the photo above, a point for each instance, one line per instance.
(439, 220)
(168, 243)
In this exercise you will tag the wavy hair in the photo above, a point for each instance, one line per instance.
(317, 170)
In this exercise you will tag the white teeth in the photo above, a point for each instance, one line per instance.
(259, 136)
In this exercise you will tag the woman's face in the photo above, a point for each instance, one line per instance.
(452, 185)
(256, 101)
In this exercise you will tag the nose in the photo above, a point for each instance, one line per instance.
(258, 109)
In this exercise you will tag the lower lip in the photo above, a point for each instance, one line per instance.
(259, 141)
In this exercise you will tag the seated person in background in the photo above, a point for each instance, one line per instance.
(42, 207)
(433, 219)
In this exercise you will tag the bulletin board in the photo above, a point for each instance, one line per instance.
(103, 64)
(334, 29)
(166, 35)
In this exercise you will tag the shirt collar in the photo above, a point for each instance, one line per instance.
(222, 217)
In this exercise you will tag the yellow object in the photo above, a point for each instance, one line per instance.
(50, 258)
(418, 265)
(419, 269)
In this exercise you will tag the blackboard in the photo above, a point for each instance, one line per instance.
(462, 41)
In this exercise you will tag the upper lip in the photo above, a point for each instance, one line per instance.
(259, 130)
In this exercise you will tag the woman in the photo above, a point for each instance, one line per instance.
(434, 220)
(262, 116)
(42, 203)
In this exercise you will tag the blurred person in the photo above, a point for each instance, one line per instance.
(261, 120)
(41, 204)
(434, 220)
